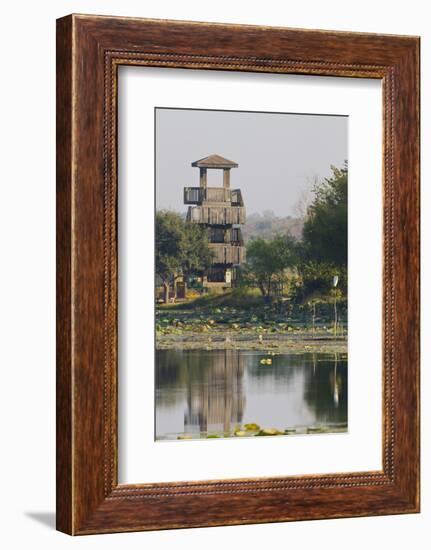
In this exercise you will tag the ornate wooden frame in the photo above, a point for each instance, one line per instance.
(89, 51)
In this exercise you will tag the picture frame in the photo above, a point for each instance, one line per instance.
(89, 51)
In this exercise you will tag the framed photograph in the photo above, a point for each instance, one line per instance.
(237, 274)
(251, 310)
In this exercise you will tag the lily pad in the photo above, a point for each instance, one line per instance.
(270, 431)
(252, 427)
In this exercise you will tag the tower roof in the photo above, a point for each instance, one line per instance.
(214, 161)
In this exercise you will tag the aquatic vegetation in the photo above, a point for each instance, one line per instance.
(252, 427)
(270, 431)
(254, 430)
(238, 328)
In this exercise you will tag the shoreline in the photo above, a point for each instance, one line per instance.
(240, 432)
(230, 341)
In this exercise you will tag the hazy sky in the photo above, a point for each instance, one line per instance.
(276, 154)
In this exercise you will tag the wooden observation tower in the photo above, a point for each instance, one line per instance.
(221, 210)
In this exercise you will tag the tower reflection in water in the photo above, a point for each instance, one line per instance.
(205, 393)
(216, 400)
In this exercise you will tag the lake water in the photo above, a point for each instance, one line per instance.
(202, 394)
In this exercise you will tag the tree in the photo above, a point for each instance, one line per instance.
(181, 249)
(317, 279)
(267, 261)
(169, 242)
(325, 229)
(197, 255)
(305, 197)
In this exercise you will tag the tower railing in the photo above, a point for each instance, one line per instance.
(198, 195)
(221, 235)
(227, 254)
(236, 197)
(216, 215)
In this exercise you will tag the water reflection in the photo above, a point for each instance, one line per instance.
(204, 393)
